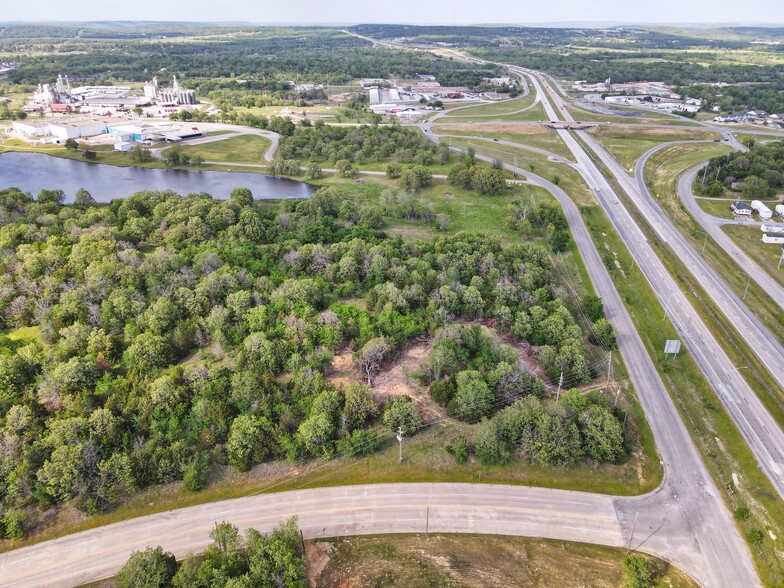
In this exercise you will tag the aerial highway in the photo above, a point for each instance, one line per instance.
(685, 520)
(758, 427)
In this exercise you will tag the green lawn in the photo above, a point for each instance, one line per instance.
(534, 114)
(635, 117)
(767, 255)
(500, 108)
(627, 143)
(541, 137)
(25, 334)
(236, 149)
(721, 208)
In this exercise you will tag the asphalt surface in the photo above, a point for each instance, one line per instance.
(684, 521)
(758, 427)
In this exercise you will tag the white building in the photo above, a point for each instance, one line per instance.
(776, 239)
(32, 128)
(77, 129)
(772, 228)
(741, 208)
(761, 209)
(780, 210)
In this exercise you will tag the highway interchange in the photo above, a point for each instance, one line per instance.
(684, 521)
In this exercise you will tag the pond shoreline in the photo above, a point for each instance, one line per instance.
(35, 171)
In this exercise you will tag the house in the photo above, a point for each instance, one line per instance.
(761, 209)
(776, 239)
(772, 228)
(741, 208)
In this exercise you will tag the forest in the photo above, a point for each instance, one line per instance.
(264, 54)
(731, 99)
(151, 339)
(757, 173)
(322, 142)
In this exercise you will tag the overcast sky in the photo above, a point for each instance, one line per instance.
(401, 11)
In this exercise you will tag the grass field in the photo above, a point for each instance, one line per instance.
(567, 177)
(501, 108)
(662, 173)
(627, 143)
(237, 149)
(767, 255)
(533, 135)
(533, 114)
(723, 448)
(635, 117)
(474, 561)
(721, 207)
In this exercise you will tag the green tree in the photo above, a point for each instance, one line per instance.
(474, 400)
(89, 155)
(195, 471)
(602, 434)
(403, 413)
(83, 198)
(637, 571)
(71, 145)
(359, 406)
(248, 441)
(151, 568)
(489, 448)
(148, 352)
(242, 196)
(755, 188)
(394, 170)
(603, 334)
(115, 479)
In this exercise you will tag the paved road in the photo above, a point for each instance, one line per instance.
(760, 430)
(684, 521)
(235, 130)
(709, 225)
(325, 512)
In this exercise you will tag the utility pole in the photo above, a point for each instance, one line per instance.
(780, 258)
(400, 441)
(609, 369)
(560, 383)
(617, 394)
(631, 538)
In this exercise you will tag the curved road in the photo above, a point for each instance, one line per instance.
(708, 225)
(684, 521)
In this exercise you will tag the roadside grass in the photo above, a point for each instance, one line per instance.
(425, 459)
(627, 143)
(236, 149)
(720, 207)
(720, 443)
(634, 117)
(476, 561)
(567, 177)
(536, 113)
(661, 174)
(532, 135)
(500, 108)
(767, 255)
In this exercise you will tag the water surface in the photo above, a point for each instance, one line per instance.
(33, 172)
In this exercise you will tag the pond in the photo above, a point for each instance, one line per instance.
(33, 172)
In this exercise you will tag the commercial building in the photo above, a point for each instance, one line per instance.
(77, 129)
(31, 128)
